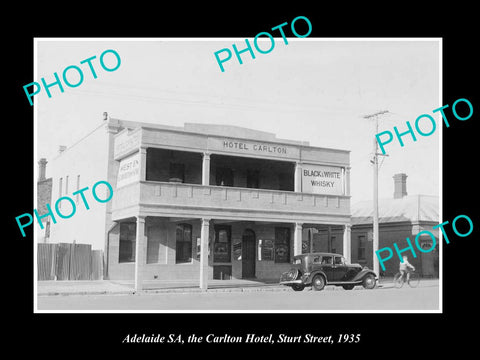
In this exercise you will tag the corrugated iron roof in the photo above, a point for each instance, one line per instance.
(411, 208)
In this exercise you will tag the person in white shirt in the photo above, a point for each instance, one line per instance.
(405, 267)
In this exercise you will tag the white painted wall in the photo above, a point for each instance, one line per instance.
(88, 158)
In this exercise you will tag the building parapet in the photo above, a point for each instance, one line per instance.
(128, 141)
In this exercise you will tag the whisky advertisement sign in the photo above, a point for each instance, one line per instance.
(322, 179)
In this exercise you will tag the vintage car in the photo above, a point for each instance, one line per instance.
(320, 269)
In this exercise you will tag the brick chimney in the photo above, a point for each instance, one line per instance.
(42, 167)
(400, 186)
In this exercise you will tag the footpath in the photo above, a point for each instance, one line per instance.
(125, 287)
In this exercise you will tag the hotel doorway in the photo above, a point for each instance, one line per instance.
(248, 254)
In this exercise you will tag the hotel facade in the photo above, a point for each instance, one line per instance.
(203, 201)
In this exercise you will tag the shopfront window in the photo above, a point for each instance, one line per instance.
(282, 245)
(222, 244)
(183, 243)
(126, 251)
(266, 250)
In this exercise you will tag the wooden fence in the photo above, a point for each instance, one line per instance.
(64, 261)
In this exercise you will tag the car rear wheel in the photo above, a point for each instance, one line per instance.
(318, 283)
(298, 287)
(369, 282)
(348, 287)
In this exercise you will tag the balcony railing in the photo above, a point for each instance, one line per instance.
(193, 197)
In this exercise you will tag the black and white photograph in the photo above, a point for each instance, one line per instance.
(262, 181)
(187, 188)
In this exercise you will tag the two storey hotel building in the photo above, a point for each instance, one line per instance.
(204, 201)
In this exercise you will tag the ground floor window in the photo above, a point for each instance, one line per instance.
(266, 250)
(333, 244)
(183, 243)
(282, 245)
(361, 247)
(307, 241)
(222, 244)
(126, 252)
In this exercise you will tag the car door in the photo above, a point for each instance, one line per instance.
(327, 267)
(340, 269)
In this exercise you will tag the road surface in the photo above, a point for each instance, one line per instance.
(425, 297)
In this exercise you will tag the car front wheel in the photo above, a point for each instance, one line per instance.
(298, 287)
(318, 283)
(369, 282)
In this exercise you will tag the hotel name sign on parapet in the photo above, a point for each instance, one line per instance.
(253, 148)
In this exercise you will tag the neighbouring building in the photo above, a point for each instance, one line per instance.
(44, 195)
(203, 201)
(399, 217)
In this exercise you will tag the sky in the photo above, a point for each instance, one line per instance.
(313, 89)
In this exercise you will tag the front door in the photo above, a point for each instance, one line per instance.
(327, 267)
(340, 269)
(427, 258)
(248, 254)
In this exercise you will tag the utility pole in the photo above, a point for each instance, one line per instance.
(375, 190)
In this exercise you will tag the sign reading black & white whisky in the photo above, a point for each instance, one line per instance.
(322, 179)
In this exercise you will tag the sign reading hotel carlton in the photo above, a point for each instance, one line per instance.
(322, 179)
(255, 147)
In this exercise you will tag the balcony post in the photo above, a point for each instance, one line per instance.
(206, 169)
(205, 231)
(298, 177)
